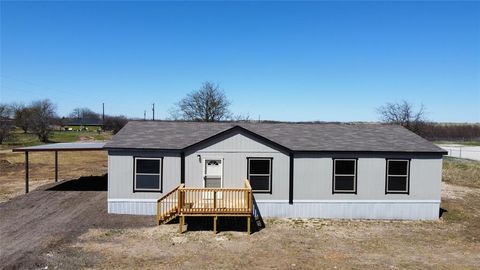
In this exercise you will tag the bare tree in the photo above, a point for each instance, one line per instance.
(43, 112)
(403, 113)
(84, 114)
(241, 118)
(6, 123)
(207, 104)
(22, 115)
(115, 123)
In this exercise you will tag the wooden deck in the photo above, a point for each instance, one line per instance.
(213, 202)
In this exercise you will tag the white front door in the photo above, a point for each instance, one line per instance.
(212, 176)
(212, 173)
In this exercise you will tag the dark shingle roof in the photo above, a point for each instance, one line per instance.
(294, 136)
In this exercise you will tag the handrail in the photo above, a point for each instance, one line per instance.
(205, 201)
(168, 205)
(247, 184)
(215, 200)
(170, 192)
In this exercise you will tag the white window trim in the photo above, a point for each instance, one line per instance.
(262, 174)
(398, 175)
(354, 190)
(160, 160)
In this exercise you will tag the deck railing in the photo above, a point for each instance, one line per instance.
(216, 201)
(168, 205)
(205, 202)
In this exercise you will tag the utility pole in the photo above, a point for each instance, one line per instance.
(103, 113)
(153, 111)
(144, 115)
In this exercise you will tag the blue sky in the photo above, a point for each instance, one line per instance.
(330, 61)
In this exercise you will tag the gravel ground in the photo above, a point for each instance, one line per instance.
(66, 227)
(53, 215)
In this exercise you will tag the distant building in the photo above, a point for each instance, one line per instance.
(78, 124)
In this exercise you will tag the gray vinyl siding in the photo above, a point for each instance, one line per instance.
(234, 150)
(313, 177)
(120, 174)
(312, 172)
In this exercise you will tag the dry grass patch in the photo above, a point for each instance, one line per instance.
(462, 172)
(288, 244)
(71, 165)
(453, 242)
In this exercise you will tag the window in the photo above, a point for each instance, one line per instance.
(260, 174)
(148, 176)
(344, 176)
(397, 176)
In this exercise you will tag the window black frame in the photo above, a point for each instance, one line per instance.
(355, 177)
(271, 173)
(135, 175)
(407, 192)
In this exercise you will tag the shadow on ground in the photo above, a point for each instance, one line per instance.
(84, 183)
(441, 212)
(238, 224)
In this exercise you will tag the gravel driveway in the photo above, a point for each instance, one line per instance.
(55, 214)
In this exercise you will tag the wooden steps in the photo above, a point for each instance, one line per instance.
(168, 217)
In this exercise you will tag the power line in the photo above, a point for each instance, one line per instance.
(153, 111)
(75, 94)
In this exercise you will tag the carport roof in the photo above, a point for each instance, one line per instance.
(75, 146)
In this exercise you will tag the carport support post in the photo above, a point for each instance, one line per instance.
(56, 166)
(26, 171)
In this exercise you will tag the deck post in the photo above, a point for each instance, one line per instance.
(248, 225)
(179, 200)
(26, 171)
(180, 224)
(215, 224)
(56, 166)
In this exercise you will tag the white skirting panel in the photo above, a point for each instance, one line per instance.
(341, 209)
(132, 207)
(405, 210)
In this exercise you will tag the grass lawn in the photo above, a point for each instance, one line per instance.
(18, 138)
(462, 172)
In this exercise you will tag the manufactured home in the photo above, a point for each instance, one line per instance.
(298, 170)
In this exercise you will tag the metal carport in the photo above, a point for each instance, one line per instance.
(57, 147)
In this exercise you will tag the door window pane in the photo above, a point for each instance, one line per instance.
(211, 182)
